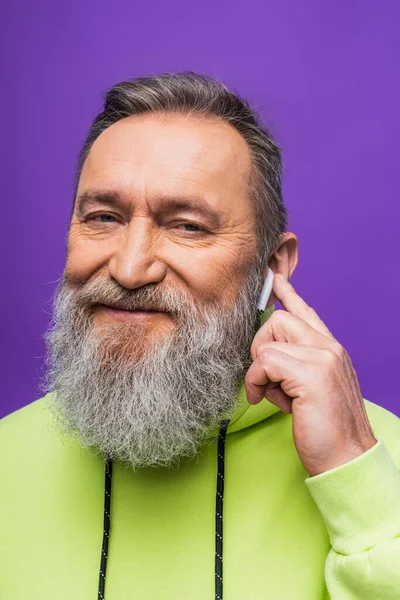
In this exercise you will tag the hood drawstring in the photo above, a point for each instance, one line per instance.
(106, 528)
(219, 503)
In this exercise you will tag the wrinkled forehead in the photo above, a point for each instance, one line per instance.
(169, 153)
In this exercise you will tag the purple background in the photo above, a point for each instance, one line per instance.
(325, 75)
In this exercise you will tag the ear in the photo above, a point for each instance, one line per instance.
(284, 260)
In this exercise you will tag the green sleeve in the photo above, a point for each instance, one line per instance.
(360, 504)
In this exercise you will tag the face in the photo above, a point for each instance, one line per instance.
(162, 200)
(154, 318)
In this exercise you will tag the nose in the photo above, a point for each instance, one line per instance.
(135, 262)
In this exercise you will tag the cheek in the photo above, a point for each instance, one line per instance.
(85, 257)
(211, 277)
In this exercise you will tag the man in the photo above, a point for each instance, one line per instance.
(162, 405)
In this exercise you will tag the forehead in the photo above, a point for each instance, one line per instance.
(164, 153)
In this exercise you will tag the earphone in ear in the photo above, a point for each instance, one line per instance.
(266, 291)
(264, 297)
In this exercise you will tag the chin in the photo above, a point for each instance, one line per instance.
(119, 339)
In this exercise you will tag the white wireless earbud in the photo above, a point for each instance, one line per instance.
(266, 291)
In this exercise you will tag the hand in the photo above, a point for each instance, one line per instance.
(301, 368)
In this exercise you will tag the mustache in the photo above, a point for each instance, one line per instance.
(151, 297)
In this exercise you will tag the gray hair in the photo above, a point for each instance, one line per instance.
(201, 95)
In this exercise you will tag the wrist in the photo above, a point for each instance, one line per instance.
(349, 453)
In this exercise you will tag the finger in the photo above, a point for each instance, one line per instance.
(283, 326)
(278, 397)
(272, 366)
(295, 305)
(302, 352)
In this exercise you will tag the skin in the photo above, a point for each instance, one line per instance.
(148, 161)
(317, 383)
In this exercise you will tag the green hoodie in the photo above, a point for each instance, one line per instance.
(286, 536)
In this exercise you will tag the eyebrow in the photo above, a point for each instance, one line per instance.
(163, 204)
(88, 199)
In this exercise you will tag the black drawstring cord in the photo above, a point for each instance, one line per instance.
(218, 517)
(106, 528)
(219, 505)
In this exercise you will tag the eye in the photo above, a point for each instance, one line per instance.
(191, 227)
(102, 218)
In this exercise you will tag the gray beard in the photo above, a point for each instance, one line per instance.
(145, 399)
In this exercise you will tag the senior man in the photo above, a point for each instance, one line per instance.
(175, 455)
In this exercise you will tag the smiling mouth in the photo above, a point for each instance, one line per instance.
(122, 313)
(129, 310)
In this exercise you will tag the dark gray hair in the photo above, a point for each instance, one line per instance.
(200, 95)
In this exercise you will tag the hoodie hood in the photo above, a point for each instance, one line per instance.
(247, 414)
